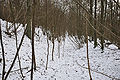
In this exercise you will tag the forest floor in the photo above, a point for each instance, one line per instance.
(72, 64)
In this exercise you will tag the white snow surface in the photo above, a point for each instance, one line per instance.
(72, 64)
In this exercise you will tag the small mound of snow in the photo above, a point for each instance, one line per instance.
(112, 46)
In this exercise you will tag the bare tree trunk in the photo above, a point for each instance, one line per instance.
(95, 25)
(101, 29)
(87, 50)
(111, 6)
(3, 53)
(53, 49)
(33, 66)
(46, 1)
(91, 19)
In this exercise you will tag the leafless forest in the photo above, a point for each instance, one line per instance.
(98, 19)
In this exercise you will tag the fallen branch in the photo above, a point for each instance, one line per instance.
(19, 69)
(113, 78)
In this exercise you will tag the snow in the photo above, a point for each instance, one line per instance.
(72, 64)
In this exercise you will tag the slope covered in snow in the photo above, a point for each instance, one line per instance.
(72, 64)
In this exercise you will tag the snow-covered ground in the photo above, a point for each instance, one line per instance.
(72, 64)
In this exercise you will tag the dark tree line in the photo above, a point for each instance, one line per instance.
(67, 16)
